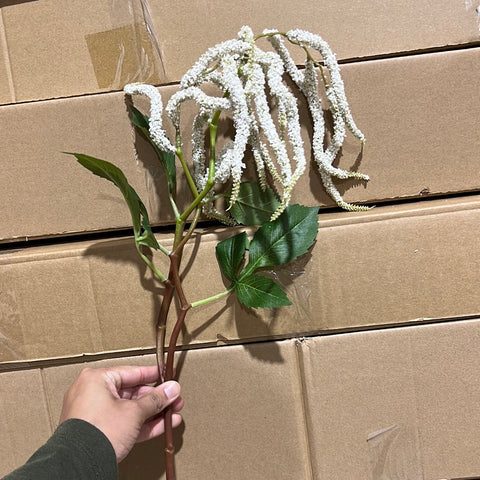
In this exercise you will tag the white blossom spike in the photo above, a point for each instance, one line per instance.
(205, 101)
(308, 84)
(196, 74)
(251, 81)
(319, 44)
(155, 122)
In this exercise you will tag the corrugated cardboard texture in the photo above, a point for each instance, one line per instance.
(379, 405)
(390, 265)
(54, 49)
(354, 29)
(421, 139)
(25, 418)
(49, 47)
(416, 388)
(268, 412)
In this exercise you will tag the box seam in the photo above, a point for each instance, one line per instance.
(8, 63)
(418, 435)
(45, 400)
(401, 211)
(97, 317)
(300, 344)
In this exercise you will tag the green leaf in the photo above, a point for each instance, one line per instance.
(254, 206)
(167, 159)
(146, 236)
(258, 291)
(284, 239)
(140, 220)
(140, 120)
(230, 253)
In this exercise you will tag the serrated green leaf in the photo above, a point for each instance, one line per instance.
(257, 291)
(138, 212)
(167, 159)
(284, 239)
(254, 206)
(230, 253)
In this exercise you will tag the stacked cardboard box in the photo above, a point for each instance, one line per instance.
(269, 394)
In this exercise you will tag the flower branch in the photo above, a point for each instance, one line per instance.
(251, 81)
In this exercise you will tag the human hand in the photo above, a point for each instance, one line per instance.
(120, 402)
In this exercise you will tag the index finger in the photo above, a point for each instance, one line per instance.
(132, 376)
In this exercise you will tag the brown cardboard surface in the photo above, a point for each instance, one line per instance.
(54, 49)
(268, 377)
(25, 418)
(67, 200)
(413, 393)
(421, 140)
(390, 265)
(384, 404)
(60, 48)
(354, 29)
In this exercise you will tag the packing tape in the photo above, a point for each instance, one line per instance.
(128, 53)
(292, 277)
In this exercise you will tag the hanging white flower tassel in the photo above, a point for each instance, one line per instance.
(156, 110)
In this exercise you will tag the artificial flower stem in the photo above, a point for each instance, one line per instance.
(162, 277)
(213, 125)
(186, 171)
(190, 230)
(173, 205)
(174, 275)
(204, 301)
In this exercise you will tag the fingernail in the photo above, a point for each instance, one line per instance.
(172, 390)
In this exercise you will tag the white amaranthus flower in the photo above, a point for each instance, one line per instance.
(308, 84)
(251, 80)
(231, 84)
(206, 102)
(155, 122)
(196, 74)
(319, 44)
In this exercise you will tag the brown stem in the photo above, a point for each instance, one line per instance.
(175, 282)
(162, 327)
(176, 287)
(169, 446)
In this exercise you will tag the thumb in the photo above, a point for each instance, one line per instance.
(158, 399)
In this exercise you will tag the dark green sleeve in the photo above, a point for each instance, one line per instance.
(76, 451)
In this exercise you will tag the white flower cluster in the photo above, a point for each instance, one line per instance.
(156, 108)
(307, 82)
(251, 81)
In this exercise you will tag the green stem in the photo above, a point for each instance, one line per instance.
(190, 231)
(162, 277)
(179, 229)
(269, 34)
(186, 171)
(198, 303)
(213, 126)
(174, 205)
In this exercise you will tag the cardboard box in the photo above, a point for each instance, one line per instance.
(354, 30)
(393, 403)
(52, 49)
(421, 140)
(391, 265)
(355, 403)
